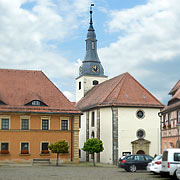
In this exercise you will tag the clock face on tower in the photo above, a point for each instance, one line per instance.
(95, 68)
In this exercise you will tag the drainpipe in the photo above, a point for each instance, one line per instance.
(72, 119)
(160, 115)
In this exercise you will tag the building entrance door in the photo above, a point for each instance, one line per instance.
(140, 152)
(140, 146)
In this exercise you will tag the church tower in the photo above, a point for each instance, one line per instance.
(91, 71)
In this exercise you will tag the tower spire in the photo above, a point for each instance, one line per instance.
(91, 21)
(91, 64)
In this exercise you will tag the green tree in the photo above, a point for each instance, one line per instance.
(59, 147)
(93, 146)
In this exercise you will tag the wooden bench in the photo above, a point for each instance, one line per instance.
(41, 161)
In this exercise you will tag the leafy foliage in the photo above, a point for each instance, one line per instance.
(59, 147)
(93, 145)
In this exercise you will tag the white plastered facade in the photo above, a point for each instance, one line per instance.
(128, 125)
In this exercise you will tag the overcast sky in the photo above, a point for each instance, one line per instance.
(141, 37)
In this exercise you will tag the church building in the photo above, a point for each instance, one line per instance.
(119, 111)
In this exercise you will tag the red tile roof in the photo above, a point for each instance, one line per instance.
(174, 102)
(176, 86)
(122, 90)
(19, 87)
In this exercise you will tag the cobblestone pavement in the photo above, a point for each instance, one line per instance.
(38, 172)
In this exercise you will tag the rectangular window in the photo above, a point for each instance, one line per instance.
(4, 148)
(164, 120)
(44, 148)
(178, 118)
(169, 118)
(64, 124)
(92, 119)
(79, 85)
(79, 121)
(5, 124)
(25, 124)
(25, 148)
(79, 153)
(45, 124)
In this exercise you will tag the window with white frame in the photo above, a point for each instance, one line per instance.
(36, 103)
(44, 148)
(178, 118)
(79, 121)
(24, 148)
(169, 118)
(164, 120)
(4, 148)
(5, 123)
(92, 119)
(25, 124)
(64, 124)
(45, 124)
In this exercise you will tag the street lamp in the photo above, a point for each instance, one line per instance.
(178, 128)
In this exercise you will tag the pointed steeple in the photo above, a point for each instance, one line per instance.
(91, 63)
(91, 21)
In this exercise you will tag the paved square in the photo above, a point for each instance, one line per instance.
(71, 172)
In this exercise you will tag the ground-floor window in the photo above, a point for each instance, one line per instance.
(4, 148)
(79, 153)
(25, 148)
(44, 148)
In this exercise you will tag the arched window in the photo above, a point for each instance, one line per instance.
(79, 85)
(92, 119)
(92, 134)
(95, 82)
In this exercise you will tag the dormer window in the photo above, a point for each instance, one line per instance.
(36, 103)
(2, 103)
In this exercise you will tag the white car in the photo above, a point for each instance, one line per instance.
(178, 171)
(170, 162)
(155, 165)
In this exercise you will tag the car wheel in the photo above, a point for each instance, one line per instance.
(176, 175)
(132, 168)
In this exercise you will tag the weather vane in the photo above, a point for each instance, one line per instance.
(92, 4)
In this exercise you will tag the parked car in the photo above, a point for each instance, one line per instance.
(178, 172)
(170, 162)
(135, 162)
(155, 165)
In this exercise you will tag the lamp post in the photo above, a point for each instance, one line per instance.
(178, 128)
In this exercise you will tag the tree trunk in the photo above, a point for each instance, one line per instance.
(57, 159)
(94, 160)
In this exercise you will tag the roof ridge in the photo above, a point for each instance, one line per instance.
(114, 86)
(121, 86)
(55, 86)
(146, 90)
(174, 87)
(21, 70)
